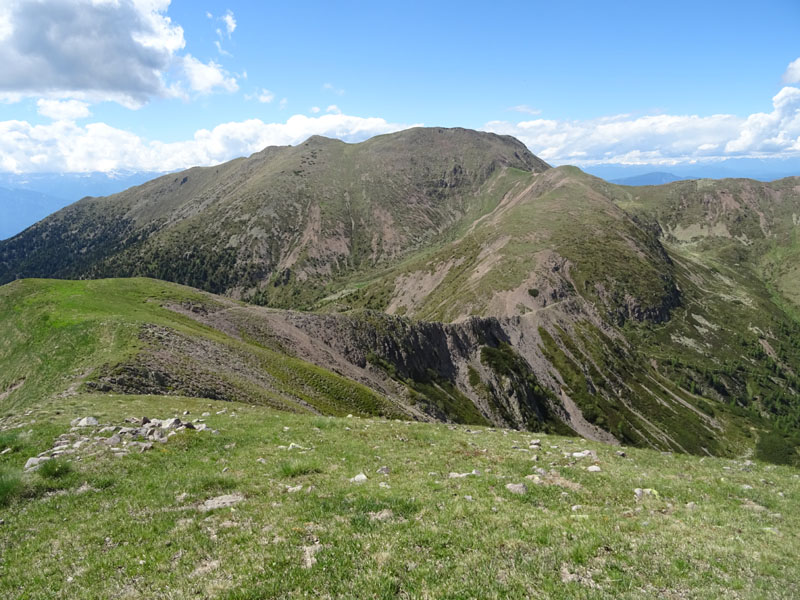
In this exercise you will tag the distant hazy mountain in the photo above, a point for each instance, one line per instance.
(29, 197)
(749, 168)
(22, 208)
(74, 186)
(654, 178)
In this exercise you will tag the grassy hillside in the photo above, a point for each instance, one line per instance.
(101, 523)
(441, 274)
(62, 336)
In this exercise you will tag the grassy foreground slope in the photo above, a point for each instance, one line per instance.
(57, 337)
(140, 526)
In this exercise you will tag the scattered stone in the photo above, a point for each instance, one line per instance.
(383, 484)
(87, 422)
(360, 478)
(221, 502)
(186, 412)
(473, 473)
(584, 454)
(642, 492)
(621, 454)
(261, 460)
(593, 469)
(691, 505)
(113, 440)
(517, 488)
(294, 446)
(206, 414)
(309, 559)
(750, 505)
(293, 489)
(6, 451)
(747, 487)
(383, 471)
(173, 423)
(33, 462)
(576, 507)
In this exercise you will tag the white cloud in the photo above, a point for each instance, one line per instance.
(87, 48)
(207, 77)
(230, 22)
(333, 109)
(62, 110)
(209, 15)
(282, 104)
(125, 51)
(524, 108)
(329, 87)
(266, 96)
(220, 49)
(64, 146)
(792, 74)
(663, 139)
(315, 109)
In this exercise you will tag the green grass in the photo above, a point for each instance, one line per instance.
(61, 334)
(58, 468)
(10, 486)
(130, 527)
(298, 468)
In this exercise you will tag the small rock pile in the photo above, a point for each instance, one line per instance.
(85, 438)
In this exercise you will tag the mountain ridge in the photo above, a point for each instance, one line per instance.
(461, 278)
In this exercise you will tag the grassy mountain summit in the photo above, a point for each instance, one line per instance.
(448, 274)
(280, 225)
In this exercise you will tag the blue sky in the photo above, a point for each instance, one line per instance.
(588, 83)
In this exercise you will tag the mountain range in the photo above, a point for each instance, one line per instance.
(441, 274)
(28, 198)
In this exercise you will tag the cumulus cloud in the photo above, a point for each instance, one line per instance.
(663, 139)
(62, 110)
(126, 51)
(792, 74)
(333, 109)
(64, 146)
(266, 96)
(87, 48)
(207, 77)
(315, 109)
(230, 22)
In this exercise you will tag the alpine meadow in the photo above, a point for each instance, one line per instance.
(339, 356)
